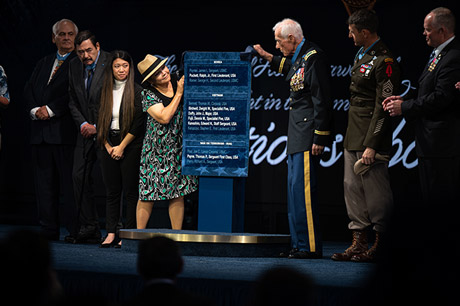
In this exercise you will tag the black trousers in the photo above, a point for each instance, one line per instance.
(439, 180)
(121, 179)
(53, 181)
(85, 158)
(440, 186)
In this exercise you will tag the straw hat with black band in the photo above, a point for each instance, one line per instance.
(149, 65)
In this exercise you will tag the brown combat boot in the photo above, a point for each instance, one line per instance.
(370, 255)
(358, 246)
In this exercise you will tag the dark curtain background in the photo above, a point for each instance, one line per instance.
(168, 29)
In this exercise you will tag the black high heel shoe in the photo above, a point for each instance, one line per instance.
(113, 244)
(118, 245)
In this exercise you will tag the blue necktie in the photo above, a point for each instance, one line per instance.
(432, 56)
(88, 81)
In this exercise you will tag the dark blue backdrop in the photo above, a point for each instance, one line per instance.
(168, 29)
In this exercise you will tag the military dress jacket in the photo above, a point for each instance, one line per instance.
(374, 77)
(435, 112)
(310, 103)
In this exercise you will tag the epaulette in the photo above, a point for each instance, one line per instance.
(310, 53)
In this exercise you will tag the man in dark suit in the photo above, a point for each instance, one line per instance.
(305, 66)
(435, 115)
(53, 131)
(435, 112)
(85, 83)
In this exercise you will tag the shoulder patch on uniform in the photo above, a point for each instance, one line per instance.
(387, 89)
(280, 70)
(310, 53)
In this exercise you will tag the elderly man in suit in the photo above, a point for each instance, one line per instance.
(310, 110)
(86, 73)
(53, 132)
(435, 112)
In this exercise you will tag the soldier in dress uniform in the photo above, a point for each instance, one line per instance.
(305, 66)
(368, 140)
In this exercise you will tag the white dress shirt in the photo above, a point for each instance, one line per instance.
(118, 88)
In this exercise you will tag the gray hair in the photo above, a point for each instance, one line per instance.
(443, 17)
(289, 26)
(56, 26)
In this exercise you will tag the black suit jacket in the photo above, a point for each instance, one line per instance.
(137, 127)
(310, 110)
(60, 129)
(436, 110)
(85, 107)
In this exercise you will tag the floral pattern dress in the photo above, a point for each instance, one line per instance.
(161, 157)
(3, 86)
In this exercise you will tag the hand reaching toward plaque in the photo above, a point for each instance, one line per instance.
(180, 85)
(164, 114)
(264, 54)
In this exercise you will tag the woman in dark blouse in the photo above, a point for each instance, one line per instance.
(121, 127)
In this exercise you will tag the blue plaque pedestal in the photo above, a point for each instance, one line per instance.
(221, 204)
(217, 97)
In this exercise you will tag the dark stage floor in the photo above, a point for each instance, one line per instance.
(111, 273)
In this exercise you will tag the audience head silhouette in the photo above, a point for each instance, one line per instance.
(26, 263)
(159, 257)
(278, 285)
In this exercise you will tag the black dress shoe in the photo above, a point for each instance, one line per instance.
(305, 255)
(105, 245)
(70, 239)
(287, 253)
(89, 235)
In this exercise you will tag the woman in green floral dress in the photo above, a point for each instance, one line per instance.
(160, 171)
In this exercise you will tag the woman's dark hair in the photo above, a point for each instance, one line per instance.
(127, 101)
(364, 19)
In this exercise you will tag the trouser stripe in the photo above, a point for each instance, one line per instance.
(308, 208)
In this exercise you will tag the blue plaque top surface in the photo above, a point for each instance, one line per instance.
(216, 114)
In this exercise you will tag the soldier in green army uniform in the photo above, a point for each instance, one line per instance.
(368, 196)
